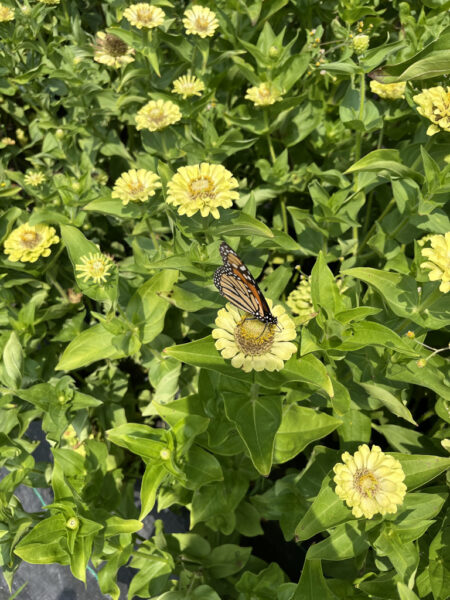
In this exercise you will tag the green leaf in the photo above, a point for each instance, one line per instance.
(299, 427)
(404, 593)
(147, 309)
(312, 584)
(345, 541)
(203, 353)
(324, 291)
(154, 475)
(327, 510)
(115, 207)
(116, 526)
(430, 62)
(439, 555)
(143, 440)
(201, 467)
(12, 361)
(227, 560)
(385, 163)
(393, 404)
(419, 469)
(430, 309)
(95, 343)
(43, 545)
(239, 224)
(308, 369)
(257, 419)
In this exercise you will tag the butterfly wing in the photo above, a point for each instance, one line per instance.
(235, 282)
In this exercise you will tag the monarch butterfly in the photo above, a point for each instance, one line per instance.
(237, 284)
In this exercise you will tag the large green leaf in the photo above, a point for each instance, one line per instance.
(257, 419)
(312, 584)
(385, 163)
(299, 427)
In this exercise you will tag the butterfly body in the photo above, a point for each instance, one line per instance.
(235, 282)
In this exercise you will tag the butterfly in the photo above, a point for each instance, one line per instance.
(235, 282)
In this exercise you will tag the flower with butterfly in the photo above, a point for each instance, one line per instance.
(259, 340)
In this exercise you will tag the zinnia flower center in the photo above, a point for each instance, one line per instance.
(30, 239)
(365, 482)
(97, 268)
(253, 336)
(156, 115)
(201, 188)
(201, 23)
(114, 45)
(136, 188)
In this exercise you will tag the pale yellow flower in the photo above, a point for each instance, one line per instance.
(95, 267)
(370, 482)
(27, 243)
(7, 141)
(34, 178)
(300, 300)
(6, 13)
(388, 91)
(49, 1)
(438, 260)
(251, 344)
(203, 188)
(157, 114)
(434, 103)
(144, 15)
(188, 85)
(112, 51)
(136, 186)
(264, 94)
(199, 20)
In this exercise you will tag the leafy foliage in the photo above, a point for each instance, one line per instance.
(335, 183)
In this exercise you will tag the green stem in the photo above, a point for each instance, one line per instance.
(284, 214)
(56, 285)
(358, 144)
(268, 138)
(152, 233)
(372, 229)
(420, 308)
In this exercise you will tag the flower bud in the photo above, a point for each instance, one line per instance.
(360, 43)
(72, 523)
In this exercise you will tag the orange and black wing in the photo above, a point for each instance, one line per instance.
(235, 282)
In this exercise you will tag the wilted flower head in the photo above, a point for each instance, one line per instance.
(438, 260)
(136, 186)
(112, 51)
(157, 114)
(144, 15)
(95, 267)
(34, 178)
(188, 85)
(370, 482)
(203, 188)
(263, 95)
(6, 14)
(27, 243)
(434, 104)
(388, 91)
(200, 20)
(251, 344)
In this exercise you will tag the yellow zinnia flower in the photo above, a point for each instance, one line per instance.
(157, 114)
(388, 91)
(28, 242)
(438, 260)
(263, 95)
(370, 482)
(7, 141)
(144, 15)
(300, 300)
(112, 51)
(95, 267)
(136, 186)
(199, 20)
(203, 188)
(188, 85)
(434, 103)
(6, 14)
(251, 344)
(34, 178)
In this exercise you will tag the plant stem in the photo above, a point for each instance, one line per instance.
(380, 218)
(268, 138)
(152, 234)
(284, 213)
(358, 144)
